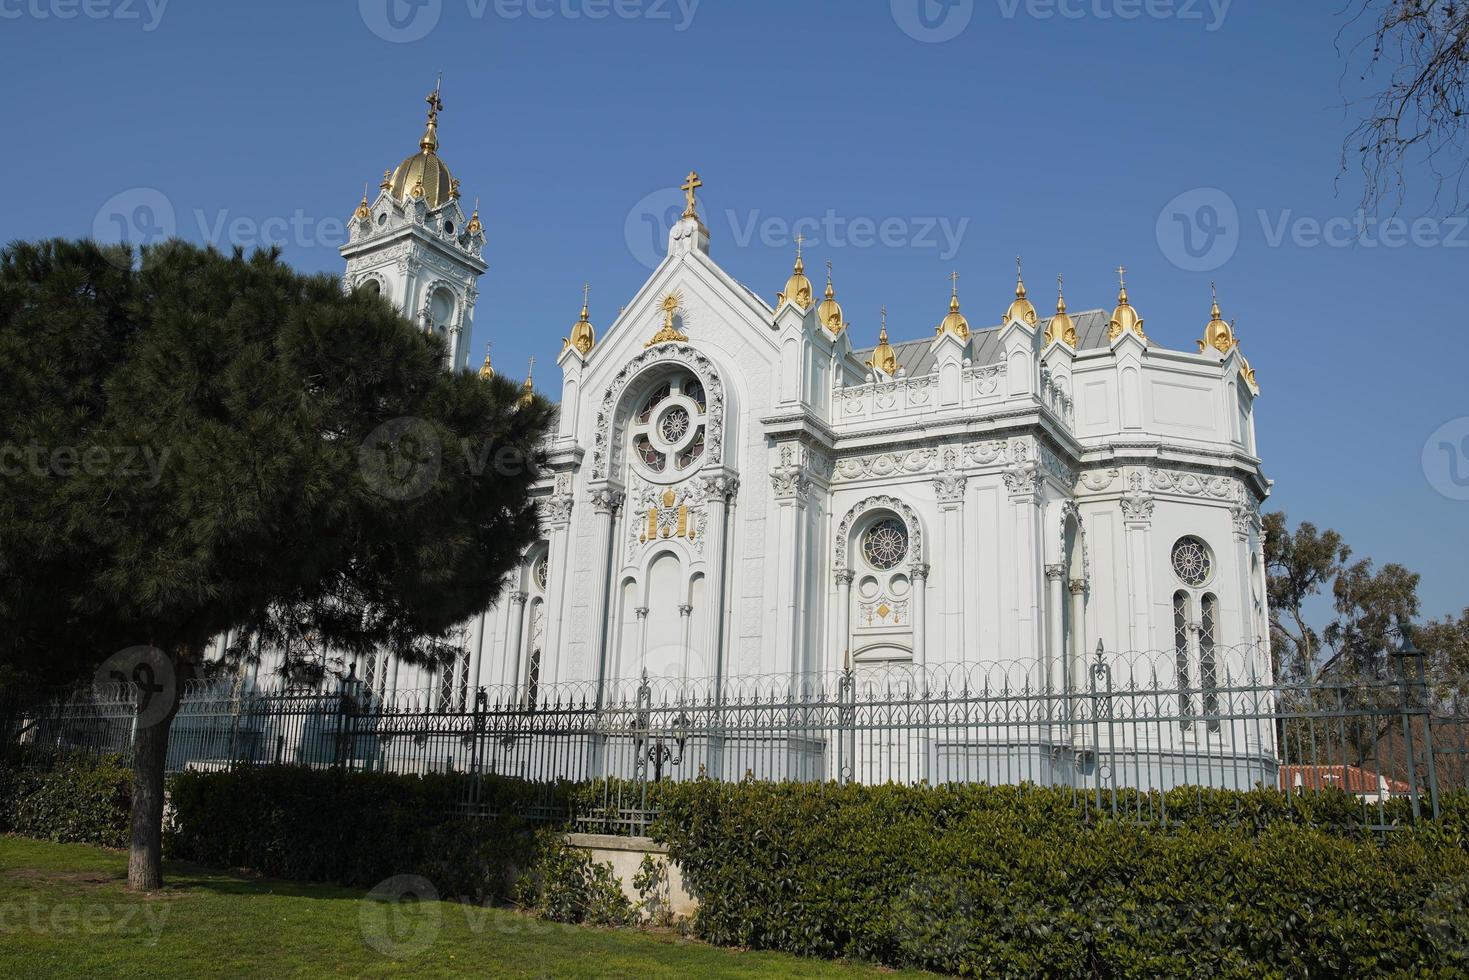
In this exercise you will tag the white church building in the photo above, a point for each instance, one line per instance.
(737, 486)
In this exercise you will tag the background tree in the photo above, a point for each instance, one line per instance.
(1412, 58)
(311, 462)
(1299, 564)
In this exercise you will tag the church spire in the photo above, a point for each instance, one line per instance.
(430, 141)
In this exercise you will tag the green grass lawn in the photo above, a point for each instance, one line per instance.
(64, 912)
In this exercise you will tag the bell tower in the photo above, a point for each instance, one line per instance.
(414, 245)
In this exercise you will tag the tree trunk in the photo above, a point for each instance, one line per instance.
(150, 753)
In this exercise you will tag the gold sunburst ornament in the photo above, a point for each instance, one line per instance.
(668, 334)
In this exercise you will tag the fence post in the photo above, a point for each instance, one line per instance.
(1420, 676)
(1405, 710)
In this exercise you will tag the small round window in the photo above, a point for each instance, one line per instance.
(885, 544)
(1192, 562)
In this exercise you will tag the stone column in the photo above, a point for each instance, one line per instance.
(1056, 620)
(949, 490)
(844, 609)
(556, 515)
(479, 638)
(606, 502)
(792, 488)
(517, 640)
(642, 613)
(1077, 588)
(1137, 516)
(716, 533)
(920, 620)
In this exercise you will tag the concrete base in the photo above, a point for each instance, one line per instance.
(625, 855)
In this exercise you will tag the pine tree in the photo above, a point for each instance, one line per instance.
(193, 442)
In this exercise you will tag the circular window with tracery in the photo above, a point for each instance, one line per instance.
(885, 544)
(668, 429)
(541, 573)
(1191, 561)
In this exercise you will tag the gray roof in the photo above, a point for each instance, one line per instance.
(916, 356)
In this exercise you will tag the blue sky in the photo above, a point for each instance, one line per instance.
(1081, 134)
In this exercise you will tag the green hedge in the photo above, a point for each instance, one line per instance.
(352, 828)
(1005, 882)
(73, 798)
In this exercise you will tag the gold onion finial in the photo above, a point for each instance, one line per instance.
(528, 390)
(1124, 318)
(430, 141)
(955, 322)
(475, 226)
(1021, 309)
(363, 210)
(1060, 327)
(798, 287)
(486, 372)
(1218, 335)
(884, 358)
(829, 313)
(582, 335)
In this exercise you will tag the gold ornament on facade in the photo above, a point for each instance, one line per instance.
(677, 525)
(829, 313)
(1021, 309)
(1248, 373)
(1124, 318)
(583, 337)
(798, 287)
(668, 334)
(425, 175)
(387, 183)
(1218, 334)
(955, 322)
(1060, 327)
(884, 358)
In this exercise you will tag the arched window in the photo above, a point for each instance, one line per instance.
(669, 429)
(1196, 633)
(441, 311)
(882, 610)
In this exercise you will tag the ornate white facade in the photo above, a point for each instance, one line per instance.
(735, 490)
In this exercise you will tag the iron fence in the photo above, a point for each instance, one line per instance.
(1117, 731)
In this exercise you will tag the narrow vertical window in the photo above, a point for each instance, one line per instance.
(1180, 655)
(533, 678)
(1208, 667)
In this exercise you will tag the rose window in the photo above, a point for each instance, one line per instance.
(1191, 561)
(885, 544)
(668, 430)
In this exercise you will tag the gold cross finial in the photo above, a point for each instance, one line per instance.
(954, 281)
(828, 272)
(691, 184)
(1017, 267)
(1214, 290)
(1122, 275)
(586, 291)
(800, 240)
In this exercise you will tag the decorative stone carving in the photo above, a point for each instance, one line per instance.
(681, 354)
(789, 477)
(948, 486)
(1059, 468)
(607, 501)
(881, 502)
(1099, 480)
(1194, 484)
(885, 464)
(1137, 503)
(1055, 572)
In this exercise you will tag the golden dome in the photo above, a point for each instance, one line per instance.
(1021, 309)
(884, 358)
(486, 372)
(798, 287)
(955, 323)
(829, 313)
(1218, 334)
(424, 174)
(1124, 318)
(582, 335)
(1060, 327)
